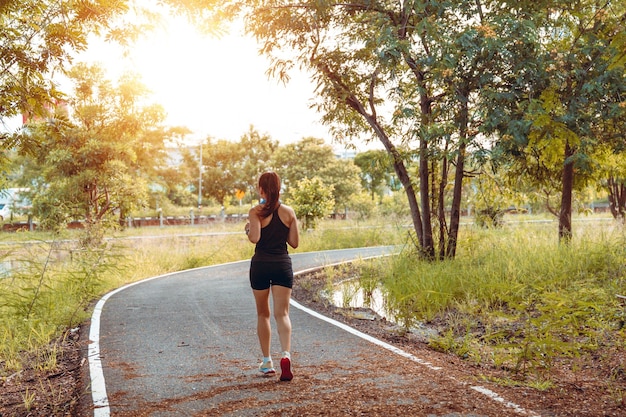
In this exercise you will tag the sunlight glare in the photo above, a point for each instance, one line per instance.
(215, 87)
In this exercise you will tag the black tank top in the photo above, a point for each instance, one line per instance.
(272, 246)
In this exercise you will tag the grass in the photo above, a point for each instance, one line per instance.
(516, 298)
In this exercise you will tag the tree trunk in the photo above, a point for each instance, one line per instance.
(565, 215)
(428, 246)
(403, 176)
(617, 198)
(398, 164)
(441, 209)
(455, 212)
(427, 243)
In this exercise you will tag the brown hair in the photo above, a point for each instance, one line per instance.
(269, 182)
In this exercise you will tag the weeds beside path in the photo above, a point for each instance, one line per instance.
(592, 384)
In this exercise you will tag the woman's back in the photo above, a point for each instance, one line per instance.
(274, 234)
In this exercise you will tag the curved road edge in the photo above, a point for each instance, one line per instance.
(98, 384)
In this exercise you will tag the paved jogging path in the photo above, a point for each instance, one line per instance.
(185, 344)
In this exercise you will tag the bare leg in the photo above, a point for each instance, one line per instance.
(263, 327)
(281, 296)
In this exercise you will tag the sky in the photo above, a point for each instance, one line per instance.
(215, 87)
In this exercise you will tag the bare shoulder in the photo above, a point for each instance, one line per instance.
(288, 209)
(287, 213)
(254, 211)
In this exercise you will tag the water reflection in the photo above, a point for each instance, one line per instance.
(350, 294)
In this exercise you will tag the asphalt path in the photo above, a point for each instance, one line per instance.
(184, 344)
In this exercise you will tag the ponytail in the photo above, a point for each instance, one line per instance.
(269, 182)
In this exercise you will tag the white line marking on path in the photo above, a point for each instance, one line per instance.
(365, 336)
(489, 393)
(485, 391)
(98, 385)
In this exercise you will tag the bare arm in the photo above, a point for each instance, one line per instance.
(293, 238)
(253, 228)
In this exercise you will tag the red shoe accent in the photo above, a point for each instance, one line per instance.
(285, 368)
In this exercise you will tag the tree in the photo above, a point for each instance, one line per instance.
(311, 157)
(576, 86)
(612, 174)
(220, 177)
(229, 166)
(38, 39)
(343, 175)
(376, 171)
(312, 200)
(173, 176)
(257, 153)
(95, 161)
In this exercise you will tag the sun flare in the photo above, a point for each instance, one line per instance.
(215, 86)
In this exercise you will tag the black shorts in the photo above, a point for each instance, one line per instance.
(264, 274)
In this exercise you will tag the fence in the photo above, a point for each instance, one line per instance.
(161, 221)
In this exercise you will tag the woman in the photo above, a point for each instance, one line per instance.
(271, 227)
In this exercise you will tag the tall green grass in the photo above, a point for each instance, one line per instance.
(515, 297)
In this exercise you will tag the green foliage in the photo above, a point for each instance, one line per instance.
(37, 37)
(100, 157)
(228, 167)
(571, 105)
(464, 347)
(312, 200)
(311, 157)
(490, 197)
(394, 207)
(219, 168)
(330, 235)
(363, 205)
(513, 298)
(376, 172)
(49, 290)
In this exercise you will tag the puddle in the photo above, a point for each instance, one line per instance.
(350, 295)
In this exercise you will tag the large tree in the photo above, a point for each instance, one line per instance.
(581, 89)
(401, 73)
(98, 152)
(554, 121)
(39, 39)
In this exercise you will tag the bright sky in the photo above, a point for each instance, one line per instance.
(215, 87)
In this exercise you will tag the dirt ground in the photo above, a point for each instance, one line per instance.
(590, 385)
